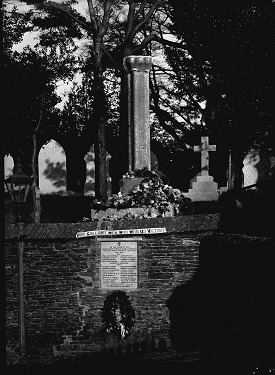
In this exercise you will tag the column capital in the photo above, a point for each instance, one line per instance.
(138, 63)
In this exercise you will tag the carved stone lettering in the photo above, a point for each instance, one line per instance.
(118, 265)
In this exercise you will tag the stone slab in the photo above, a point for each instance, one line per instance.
(133, 212)
(118, 265)
(207, 197)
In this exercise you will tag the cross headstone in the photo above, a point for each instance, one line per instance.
(203, 149)
(203, 187)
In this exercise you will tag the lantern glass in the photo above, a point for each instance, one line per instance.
(18, 192)
(18, 184)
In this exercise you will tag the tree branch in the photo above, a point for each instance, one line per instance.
(40, 115)
(92, 14)
(141, 8)
(106, 17)
(130, 18)
(154, 37)
(64, 9)
(163, 116)
(132, 34)
(116, 64)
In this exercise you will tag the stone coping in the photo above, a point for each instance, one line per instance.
(176, 224)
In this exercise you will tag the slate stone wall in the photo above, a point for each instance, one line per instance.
(63, 299)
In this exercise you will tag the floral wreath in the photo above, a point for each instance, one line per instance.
(151, 193)
(117, 314)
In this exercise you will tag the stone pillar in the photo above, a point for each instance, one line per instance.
(138, 68)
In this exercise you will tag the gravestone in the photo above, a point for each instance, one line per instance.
(256, 168)
(8, 168)
(203, 187)
(154, 162)
(89, 187)
(52, 169)
(155, 168)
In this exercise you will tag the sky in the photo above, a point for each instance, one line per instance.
(30, 39)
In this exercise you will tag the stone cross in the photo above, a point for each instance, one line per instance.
(204, 148)
(138, 68)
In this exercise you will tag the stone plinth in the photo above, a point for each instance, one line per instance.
(127, 185)
(131, 213)
(203, 189)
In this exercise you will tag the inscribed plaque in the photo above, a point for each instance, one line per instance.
(119, 265)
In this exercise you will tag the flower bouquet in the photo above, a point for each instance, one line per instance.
(151, 194)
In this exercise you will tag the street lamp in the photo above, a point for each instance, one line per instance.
(18, 186)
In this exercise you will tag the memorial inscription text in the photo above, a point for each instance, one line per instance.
(119, 265)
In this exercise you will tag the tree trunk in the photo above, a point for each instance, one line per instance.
(100, 117)
(124, 124)
(36, 204)
(36, 211)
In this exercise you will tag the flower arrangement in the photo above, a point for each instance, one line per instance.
(150, 193)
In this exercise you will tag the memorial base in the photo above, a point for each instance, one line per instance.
(203, 189)
(133, 212)
(127, 185)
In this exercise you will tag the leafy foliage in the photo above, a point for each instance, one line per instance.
(29, 83)
(231, 44)
(15, 25)
(25, 83)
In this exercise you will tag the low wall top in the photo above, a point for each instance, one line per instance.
(178, 224)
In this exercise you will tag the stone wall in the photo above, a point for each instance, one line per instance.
(63, 299)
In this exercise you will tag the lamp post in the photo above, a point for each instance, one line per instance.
(18, 186)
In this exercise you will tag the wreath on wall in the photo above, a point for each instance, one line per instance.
(117, 314)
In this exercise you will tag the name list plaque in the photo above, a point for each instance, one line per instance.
(119, 265)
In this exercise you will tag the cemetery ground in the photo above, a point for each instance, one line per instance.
(252, 218)
(72, 209)
(189, 362)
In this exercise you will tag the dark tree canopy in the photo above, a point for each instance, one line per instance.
(235, 39)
